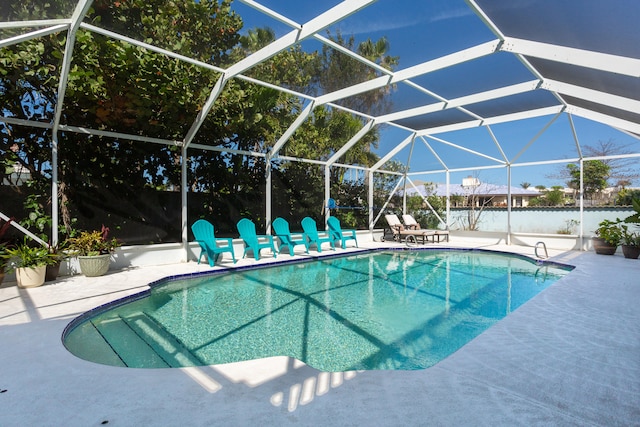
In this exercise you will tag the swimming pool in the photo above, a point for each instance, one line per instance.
(398, 309)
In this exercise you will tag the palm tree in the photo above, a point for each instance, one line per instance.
(377, 52)
(256, 39)
(525, 185)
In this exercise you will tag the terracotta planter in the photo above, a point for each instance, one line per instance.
(92, 266)
(602, 247)
(30, 277)
(631, 252)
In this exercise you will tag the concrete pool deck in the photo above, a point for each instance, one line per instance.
(569, 356)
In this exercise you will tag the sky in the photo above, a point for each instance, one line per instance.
(419, 31)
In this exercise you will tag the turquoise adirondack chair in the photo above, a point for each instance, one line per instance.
(311, 230)
(204, 235)
(281, 228)
(337, 233)
(252, 241)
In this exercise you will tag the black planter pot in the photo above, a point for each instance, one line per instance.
(52, 272)
(603, 247)
(631, 252)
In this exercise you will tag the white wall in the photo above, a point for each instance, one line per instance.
(540, 220)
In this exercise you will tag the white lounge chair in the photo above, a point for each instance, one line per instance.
(410, 236)
(411, 224)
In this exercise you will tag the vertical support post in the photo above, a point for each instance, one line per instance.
(371, 203)
(183, 195)
(582, 248)
(508, 204)
(268, 193)
(404, 195)
(55, 203)
(327, 193)
(448, 181)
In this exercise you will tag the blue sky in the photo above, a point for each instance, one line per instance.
(419, 31)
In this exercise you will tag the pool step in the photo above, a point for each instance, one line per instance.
(88, 343)
(128, 345)
(170, 349)
(139, 341)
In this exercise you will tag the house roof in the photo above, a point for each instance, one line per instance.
(484, 189)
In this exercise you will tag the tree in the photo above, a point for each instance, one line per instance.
(622, 171)
(554, 197)
(422, 211)
(340, 71)
(595, 176)
(117, 86)
(625, 197)
(114, 86)
(525, 185)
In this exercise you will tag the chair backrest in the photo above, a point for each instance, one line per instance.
(281, 226)
(247, 230)
(202, 230)
(334, 224)
(310, 227)
(409, 220)
(393, 220)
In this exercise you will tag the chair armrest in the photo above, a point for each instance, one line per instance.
(229, 240)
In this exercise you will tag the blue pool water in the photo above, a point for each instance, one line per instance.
(376, 310)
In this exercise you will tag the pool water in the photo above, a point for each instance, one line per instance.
(377, 310)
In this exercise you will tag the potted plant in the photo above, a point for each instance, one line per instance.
(630, 243)
(607, 238)
(57, 253)
(29, 262)
(93, 249)
(631, 237)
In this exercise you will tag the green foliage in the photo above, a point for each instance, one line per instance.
(625, 197)
(630, 237)
(554, 197)
(117, 86)
(25, 255)
(595, 175)
(340, 71)
(609, 231)
(91, 243)
(569, 226)
(421, 212)
(634, 218)
(4, 227)
(625, 231)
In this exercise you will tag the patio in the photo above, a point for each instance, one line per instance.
(567, 357)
